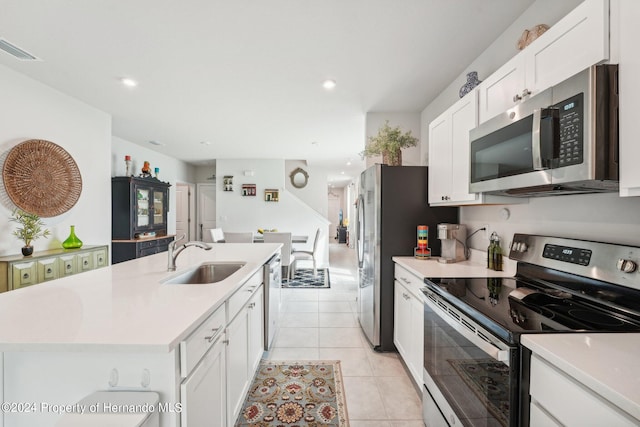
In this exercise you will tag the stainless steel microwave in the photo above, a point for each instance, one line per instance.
(563, 140)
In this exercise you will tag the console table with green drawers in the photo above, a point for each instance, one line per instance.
(17, 271)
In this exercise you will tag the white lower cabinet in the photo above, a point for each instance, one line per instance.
(203, 393)
(238, 360)
(408, 330)
(244, 350)
(256, 330)
(557, 399)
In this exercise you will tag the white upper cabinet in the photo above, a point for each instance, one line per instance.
(449, 152)
(629, 16)
(449, 156)
(576, 42)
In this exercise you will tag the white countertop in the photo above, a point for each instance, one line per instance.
(474, 267)
(606, 363)
(123, 307)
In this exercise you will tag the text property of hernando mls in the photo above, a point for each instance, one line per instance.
(94, 408)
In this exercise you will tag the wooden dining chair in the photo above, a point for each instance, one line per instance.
(286, 257)
(235, 237)
(312, 255)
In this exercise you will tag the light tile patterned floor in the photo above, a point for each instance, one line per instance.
(322, 324)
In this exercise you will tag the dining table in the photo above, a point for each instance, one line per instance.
(259, 238)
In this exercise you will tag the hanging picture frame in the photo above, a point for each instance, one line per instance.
(271, 195)
(248, 189)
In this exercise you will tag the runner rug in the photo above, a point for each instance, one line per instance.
(489, 381)
(295, 394)
(304, 279)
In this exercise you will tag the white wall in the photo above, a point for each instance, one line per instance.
(171, 170)
(409, 121)
(602, 217)
(314, 192)
(31, 110)
(248, 213)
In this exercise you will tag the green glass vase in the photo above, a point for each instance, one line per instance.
(72, 241)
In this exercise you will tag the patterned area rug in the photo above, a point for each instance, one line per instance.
(295, 394)
(489, 380)
(304, 279)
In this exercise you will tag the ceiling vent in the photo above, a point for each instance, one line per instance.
(16, 52)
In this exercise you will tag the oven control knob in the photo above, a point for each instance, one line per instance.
(626, 265)
(519, 247)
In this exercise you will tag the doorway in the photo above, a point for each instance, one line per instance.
(184, 210)
(206, 211)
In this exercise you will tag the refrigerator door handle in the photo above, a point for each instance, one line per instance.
(360, 231)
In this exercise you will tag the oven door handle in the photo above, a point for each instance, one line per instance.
(495, 352)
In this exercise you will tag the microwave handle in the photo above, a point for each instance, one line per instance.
(536, 149)
(543, 156)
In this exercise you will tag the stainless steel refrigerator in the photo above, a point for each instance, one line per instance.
(392, 202)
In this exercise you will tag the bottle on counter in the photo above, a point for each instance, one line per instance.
(490, 251)
(497, 254)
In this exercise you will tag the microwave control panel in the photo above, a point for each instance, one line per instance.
(571, 119)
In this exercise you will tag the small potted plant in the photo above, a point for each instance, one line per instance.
(31, 228)
(389, 142)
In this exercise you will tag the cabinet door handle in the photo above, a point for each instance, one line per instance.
(49, 270)
(252, 305)
(405, 280)
(25, 276)
(519, 97)
(251, 289)
(212, 336)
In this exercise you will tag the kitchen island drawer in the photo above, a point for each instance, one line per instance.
(242, 295)
(194, 347)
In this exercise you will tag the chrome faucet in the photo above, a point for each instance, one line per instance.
(173, 252)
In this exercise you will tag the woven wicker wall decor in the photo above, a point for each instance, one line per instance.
(40, 177)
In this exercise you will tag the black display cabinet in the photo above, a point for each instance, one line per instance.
(138, 217)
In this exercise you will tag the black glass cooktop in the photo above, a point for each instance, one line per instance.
(523, 305)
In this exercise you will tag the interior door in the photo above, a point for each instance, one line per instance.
(206, 211)
(183, 218)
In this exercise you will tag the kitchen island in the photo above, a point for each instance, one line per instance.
(119, 327)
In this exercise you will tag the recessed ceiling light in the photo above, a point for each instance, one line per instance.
(342, 173)
(349, 163)
(205, 142)
(329, 84)
(315, 143)
(128, 82)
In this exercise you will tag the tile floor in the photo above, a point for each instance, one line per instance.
(321, 324)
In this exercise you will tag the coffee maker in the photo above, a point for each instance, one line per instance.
(453, 239)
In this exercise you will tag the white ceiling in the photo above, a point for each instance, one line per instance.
(246, 76)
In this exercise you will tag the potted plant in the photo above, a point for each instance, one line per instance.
(31, 228)
(389, 142)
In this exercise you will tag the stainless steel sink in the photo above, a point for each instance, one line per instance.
(205, 274)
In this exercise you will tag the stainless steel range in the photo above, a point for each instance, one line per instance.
(475, 373)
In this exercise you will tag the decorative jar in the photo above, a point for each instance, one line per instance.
(72, 241)
(472, 81)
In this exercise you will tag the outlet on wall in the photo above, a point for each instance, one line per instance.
(486, 231)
